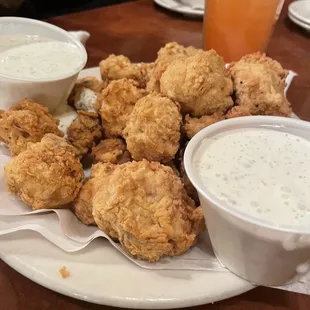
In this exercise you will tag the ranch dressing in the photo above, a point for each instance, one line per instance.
(11, 41)
(261, 172)
(44, 59)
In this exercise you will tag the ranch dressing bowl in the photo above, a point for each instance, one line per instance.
(252, 175)
(38, 61)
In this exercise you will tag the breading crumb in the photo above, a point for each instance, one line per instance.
(64, 272)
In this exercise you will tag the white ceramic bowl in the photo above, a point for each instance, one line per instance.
(48, 92)
(255, 250)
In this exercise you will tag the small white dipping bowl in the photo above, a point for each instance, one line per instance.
(48, 92)
(253, 249)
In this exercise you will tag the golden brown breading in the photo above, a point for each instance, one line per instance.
(38, 109)
(82, 207)
(146, 70)
(117, 102)
(47, 175)
(145, 206)
(238, 111)
(92, 83)
(119, 67)
(170, 52)
(84, 132)
(85, 92)
(171, 49)
(193, 125)
(112, 151)
(191, 50)
(27, 121)
(259, 84)
(153, 129)
(261, 58)
(200, 83)
(199, 220)
(155, 74)
(100, 173)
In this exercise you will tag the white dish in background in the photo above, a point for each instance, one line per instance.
(299, 23)
(300, 10)
(100, 274)
(177, 6)
(194, 4)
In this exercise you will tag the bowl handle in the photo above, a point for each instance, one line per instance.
(81, 35)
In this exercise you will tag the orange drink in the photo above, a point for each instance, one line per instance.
(235, 28)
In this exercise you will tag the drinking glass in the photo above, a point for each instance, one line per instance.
(235, 28)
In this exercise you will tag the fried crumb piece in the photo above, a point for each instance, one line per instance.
(64, 272)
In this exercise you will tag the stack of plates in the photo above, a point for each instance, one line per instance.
(186, 7)
(299, 13)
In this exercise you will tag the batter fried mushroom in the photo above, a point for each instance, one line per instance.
(200, 83)
(117, 102)
(153, 129)
(193, 125)
(111, 151)
(84, 132)
(85, 92)
(82, 207)
(167, 54)
(47, 175)
(259, 84)
(146, 208)
(119, 67)
(27, 121)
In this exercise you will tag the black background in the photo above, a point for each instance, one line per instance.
(41, 9)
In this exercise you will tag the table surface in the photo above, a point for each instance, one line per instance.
(138, 29)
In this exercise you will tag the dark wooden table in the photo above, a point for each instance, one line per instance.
(138, 29)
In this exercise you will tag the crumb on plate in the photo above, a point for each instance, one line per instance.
(64, 272)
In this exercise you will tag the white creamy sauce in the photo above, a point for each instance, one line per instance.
(37, 57)
(261, 172)
(11, 41)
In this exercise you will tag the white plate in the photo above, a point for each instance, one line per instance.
(299, 23)
(300, 10)
(180, 8)
(100, 274)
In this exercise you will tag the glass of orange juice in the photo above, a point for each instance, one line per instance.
(235, 28)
